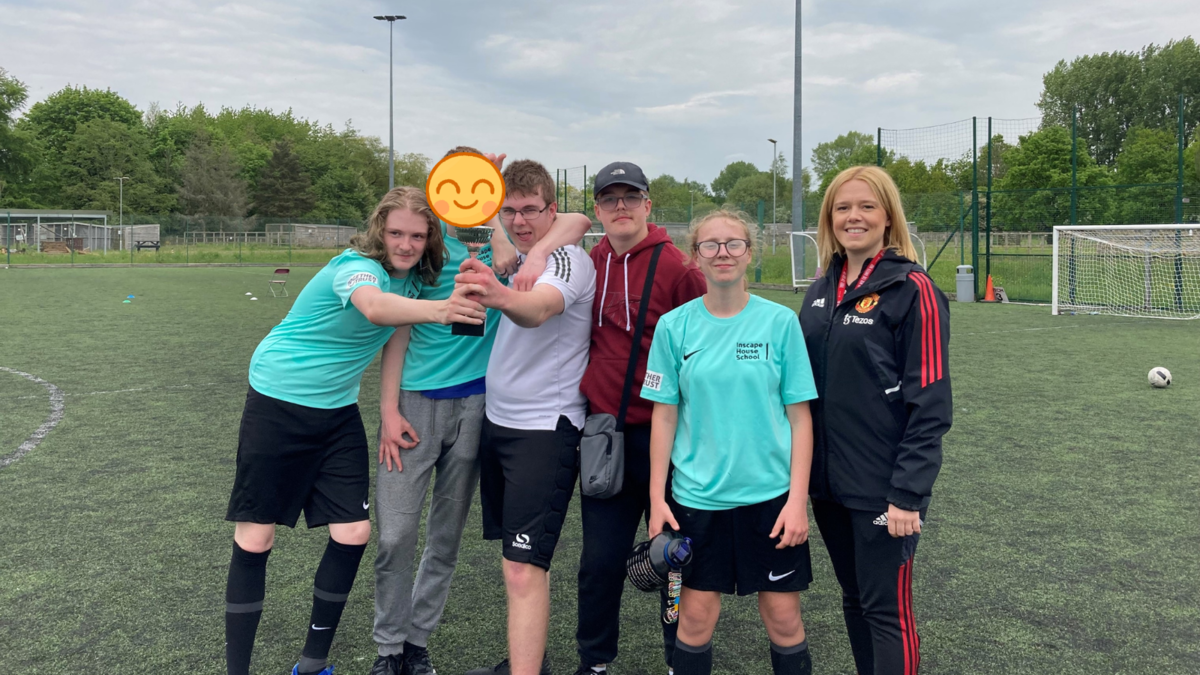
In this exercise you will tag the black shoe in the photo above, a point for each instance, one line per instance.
(503, 668)
(587, 670)
(417, 660)
(389, 665)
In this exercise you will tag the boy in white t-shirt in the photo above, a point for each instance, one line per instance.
(534, 410)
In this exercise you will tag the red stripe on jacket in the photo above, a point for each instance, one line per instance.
(931, 330)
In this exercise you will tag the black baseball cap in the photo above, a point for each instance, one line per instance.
(621, 173)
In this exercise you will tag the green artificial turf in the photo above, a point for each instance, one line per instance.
(1062, 536)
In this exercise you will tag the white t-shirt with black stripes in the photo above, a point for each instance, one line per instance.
(533, 374)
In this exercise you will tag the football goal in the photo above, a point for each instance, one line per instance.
(806, 262)
(1127, 270)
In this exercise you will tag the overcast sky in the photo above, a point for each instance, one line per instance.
(678, 86)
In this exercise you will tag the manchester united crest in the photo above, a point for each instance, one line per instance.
(867, 303)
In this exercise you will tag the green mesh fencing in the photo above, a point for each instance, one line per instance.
(1004, 231)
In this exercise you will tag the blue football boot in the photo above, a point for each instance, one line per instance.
(328, 670)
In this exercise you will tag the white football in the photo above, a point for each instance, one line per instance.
(1160, 377)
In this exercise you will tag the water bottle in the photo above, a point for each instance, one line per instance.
(651, 563)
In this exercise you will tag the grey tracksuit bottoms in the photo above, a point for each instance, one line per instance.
(448, 453)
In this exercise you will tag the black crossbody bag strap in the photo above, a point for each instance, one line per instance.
(627, 392)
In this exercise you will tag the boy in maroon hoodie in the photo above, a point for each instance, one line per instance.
(610, 526)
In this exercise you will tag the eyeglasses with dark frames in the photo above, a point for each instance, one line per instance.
(528, 213)
(736, 248)
(632, 200)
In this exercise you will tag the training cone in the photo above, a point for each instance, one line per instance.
(989, 292)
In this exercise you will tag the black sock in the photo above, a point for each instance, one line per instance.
(244, 593)
(335, 578)
(793, 660)
(689, 660)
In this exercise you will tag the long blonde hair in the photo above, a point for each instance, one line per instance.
(884, 188)
(370, 243)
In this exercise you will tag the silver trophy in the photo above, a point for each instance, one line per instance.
(474, 238)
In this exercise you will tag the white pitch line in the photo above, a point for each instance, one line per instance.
(1018, 330)
(126, 391)
(39, 434)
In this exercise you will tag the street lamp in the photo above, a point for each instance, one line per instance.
(121, 206)
(391, 19)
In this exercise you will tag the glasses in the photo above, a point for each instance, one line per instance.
(632, 200)
(528, 213)
(734, 247)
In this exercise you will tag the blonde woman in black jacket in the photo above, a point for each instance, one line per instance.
(878, 337)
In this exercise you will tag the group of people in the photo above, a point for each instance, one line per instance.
(737, 414)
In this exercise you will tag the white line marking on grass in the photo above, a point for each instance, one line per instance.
(1019, 330)
(146, 388)
(39, 434)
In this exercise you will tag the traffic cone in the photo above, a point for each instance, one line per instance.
(989, 293)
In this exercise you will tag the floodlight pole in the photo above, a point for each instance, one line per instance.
(121, 207)
(797, 150)
(774, 159)
(391, 19)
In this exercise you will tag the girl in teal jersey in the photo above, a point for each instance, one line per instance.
(731, 382)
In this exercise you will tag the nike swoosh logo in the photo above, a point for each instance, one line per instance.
(366, 505)
(771, 575)
(688, 356)
(314, 627)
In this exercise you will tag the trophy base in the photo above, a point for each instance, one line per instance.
(468, 329)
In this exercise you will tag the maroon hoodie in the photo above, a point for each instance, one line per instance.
(619, 283)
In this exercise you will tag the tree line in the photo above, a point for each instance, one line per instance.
(66, 151)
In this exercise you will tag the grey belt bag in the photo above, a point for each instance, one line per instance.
(602, 446)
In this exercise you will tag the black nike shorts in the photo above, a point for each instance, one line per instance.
(526, 480)
(292, 458)
(734, 551)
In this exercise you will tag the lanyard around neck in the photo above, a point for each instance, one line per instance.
(862, 277)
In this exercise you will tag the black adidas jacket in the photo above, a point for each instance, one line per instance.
(881, 363)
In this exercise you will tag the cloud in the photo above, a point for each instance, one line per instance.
(888, 81)
(680, 86)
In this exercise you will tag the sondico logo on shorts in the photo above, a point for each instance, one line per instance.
(361, 277)
(522, 541)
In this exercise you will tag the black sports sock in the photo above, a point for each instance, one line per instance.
(244, 593)
(335, 578)
(689, 660)
(794, 660)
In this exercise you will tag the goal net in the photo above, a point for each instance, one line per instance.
(1128, 270)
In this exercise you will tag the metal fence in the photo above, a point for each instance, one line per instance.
(173, 239)
(1004, 233)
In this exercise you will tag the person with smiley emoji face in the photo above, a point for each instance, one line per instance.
(432, 395)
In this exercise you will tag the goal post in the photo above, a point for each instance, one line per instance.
(1148, 271)
(806, 263)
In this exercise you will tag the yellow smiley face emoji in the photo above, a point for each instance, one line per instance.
(465, 189)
